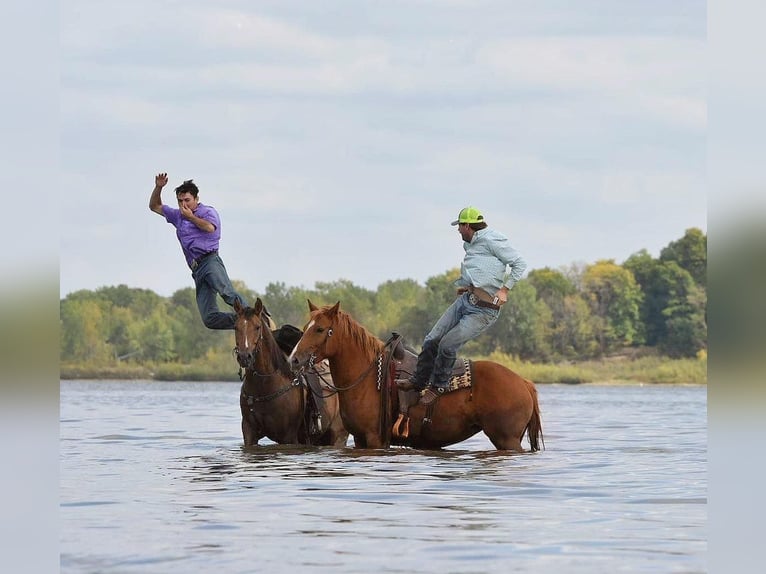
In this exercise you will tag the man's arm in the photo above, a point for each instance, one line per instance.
(515, 267)
(202, 224)
(155, 201)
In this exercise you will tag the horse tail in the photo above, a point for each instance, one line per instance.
(534, 426)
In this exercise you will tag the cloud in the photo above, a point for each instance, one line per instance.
(566, 124)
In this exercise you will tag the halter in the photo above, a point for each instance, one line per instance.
(336, 389)
(253, 353)
(251, 399)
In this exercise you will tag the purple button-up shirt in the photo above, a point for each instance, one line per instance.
(194, 242)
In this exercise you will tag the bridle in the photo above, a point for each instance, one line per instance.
(251, 356)
(336, 389)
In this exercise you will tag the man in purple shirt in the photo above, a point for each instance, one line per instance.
(198, 229)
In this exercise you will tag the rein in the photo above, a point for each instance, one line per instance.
(296, 382)
(336, 389)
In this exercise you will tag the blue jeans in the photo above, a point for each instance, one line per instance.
(460, 323)
(211, 279)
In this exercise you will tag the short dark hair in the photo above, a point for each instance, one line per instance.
(189, 187)
(477, 226)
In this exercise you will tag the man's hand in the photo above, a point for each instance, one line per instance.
(155, 202)
(502, 296)
(161, 180)
(186, 213)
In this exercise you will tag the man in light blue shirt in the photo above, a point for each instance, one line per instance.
(489, 270)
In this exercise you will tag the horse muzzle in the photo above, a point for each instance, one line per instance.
(244, 358)
(299, 361)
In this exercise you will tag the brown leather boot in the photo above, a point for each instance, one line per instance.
(431, 394)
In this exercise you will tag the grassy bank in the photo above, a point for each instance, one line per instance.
(619, 370)
(615, 370)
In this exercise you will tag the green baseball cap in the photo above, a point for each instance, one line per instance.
(469, 215)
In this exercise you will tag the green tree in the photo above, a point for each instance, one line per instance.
(687, 327)
(121, 334)
(570, 328)
(521, 328)
(355, 300)
(684, 330)
(394, 302)
(673, 306)
(614, 298)
(690, 253)
(83, 331)
(141, 302)
(645, 268)
(287, 305)
(551, 285)
(192, 338)
(155, 337)
(573, 335)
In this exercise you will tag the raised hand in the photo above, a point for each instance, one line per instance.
(161, 179)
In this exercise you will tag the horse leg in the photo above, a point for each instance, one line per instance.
(506, 443)
(502, 435)
(250, 435)
(247, 432)
(368, 440)
(338, 433)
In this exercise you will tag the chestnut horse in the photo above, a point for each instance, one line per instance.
(499, 402)
(285, 408)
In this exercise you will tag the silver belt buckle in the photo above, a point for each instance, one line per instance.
(472, 299)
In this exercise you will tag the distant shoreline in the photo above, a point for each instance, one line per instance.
(640, 371)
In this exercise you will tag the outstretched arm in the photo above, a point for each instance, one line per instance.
(155, 202)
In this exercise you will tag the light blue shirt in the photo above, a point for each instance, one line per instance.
(490, 262)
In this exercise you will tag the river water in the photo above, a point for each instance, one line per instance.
(154, 479)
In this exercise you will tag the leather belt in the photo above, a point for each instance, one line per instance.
(195, 262)
(481, 298)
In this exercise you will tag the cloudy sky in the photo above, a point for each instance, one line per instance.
(338, 139)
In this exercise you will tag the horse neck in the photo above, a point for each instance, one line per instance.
(356, 352)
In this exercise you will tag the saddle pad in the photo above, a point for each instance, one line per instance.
(461, 375)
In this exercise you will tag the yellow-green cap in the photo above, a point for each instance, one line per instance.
(469, 215)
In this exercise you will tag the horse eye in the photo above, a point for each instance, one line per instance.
(320, 329)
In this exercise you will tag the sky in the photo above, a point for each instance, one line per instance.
(339, 139)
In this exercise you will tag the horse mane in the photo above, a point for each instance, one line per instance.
(278, 358)
(368, 343)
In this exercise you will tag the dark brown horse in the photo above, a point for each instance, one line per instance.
(276, 404)
(499, 402)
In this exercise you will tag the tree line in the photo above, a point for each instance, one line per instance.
(578, 312)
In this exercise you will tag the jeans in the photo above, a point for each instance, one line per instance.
(211, 279)
(460, 323)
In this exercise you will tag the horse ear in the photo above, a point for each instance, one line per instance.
(258, 306)
(334, 309)
(237, 306)
(312, 307)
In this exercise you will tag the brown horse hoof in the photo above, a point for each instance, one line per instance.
(431, 394)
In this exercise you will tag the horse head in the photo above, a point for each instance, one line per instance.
(317, 342)
(248, 333)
